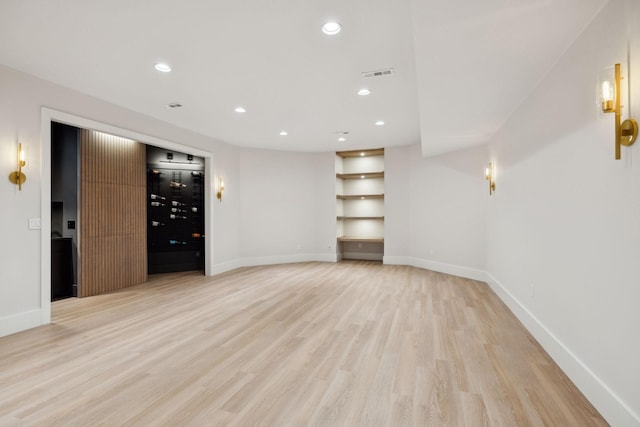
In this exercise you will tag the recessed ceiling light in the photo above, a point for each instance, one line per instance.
(379, 123)
(362, 198)
(331, 28)
(361, 176)
(240, 110)
(342, 139)
(361, 154)
(162, 67)
(364, 92)
(284, 133)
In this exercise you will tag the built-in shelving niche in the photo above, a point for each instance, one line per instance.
(360, 204)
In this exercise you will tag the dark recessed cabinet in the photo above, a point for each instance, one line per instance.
(175, 211)
(61, 268)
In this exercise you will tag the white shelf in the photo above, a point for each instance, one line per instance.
(361, 239)
(360, 175)
(359, 196)
(340, 218)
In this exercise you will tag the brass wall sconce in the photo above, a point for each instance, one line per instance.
(489, 175)
(220, 188)
(18, 177)
(627, 131)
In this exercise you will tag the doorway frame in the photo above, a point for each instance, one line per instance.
(47, 115)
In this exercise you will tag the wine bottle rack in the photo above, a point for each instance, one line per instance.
(175, 211)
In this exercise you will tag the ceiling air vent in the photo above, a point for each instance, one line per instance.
(378, 73)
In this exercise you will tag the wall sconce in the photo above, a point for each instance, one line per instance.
(489, 175)
(18, 177)
(627, 131)
(220, 188)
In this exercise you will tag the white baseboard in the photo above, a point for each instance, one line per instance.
(20, 322)
(270, 260)
(605, 400)
(223, 267)
(454, 270)
(286, 259)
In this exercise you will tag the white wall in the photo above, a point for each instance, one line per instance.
(435, 210)
(20, 255)
(325, 206)
(397, 234)
(286, 207)
(564, 224)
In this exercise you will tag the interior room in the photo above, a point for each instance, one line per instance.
(406, 213)
(92, 230)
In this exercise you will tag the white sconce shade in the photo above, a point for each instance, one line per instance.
(607, 89)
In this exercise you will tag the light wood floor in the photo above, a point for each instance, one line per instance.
(347, 344)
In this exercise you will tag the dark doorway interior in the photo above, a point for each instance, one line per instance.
(64, 210)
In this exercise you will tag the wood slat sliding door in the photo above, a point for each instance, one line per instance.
(112, 229)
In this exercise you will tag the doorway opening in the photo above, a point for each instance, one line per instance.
(64, 211)
(62, 224)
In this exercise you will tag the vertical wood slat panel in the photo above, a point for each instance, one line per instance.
(112, 229)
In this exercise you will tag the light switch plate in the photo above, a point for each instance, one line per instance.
(34, 224)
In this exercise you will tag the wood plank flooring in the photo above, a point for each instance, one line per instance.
(310, 344)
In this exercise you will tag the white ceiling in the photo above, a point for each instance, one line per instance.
(460, 66)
